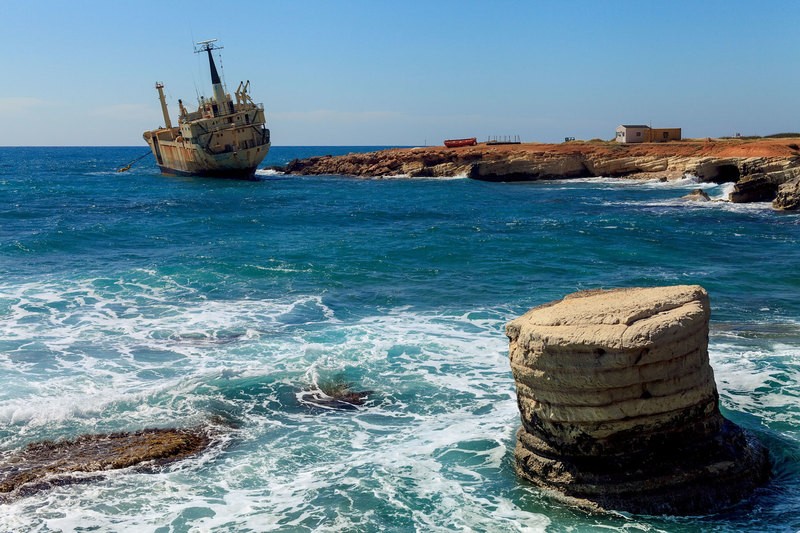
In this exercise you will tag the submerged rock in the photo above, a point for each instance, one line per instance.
(619, 407)
(334, 394)
(41, 465)
(697, 195)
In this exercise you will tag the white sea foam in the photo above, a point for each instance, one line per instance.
(758, 373)
(719, 194)
(715, 204)
(461, 176)
(269, 172)
(436, 432)
(685, 182)
(84, 352)
(391, 177)
(724, 192)
(439, 426)
(420, 178)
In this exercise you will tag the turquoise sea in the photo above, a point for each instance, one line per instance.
(136, 300)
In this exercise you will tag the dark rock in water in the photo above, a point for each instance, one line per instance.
(619, 406)
(334, 395)
(697, 195)
(41, 465)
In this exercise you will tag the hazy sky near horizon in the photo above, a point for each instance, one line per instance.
(373, 72)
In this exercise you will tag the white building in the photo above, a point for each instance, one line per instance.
(637, 133)
(633, 133)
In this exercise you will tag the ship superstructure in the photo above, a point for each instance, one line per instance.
(222, 138)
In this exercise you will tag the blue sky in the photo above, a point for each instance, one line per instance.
(403, 73)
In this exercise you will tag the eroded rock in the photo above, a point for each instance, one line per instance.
(334, 394)
(788, 196)
(762, 186)
(619, 407)
(717, 171)
(697, 195)
(43, 464)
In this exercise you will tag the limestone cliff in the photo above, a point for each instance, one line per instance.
(761, 186)
(760, 166)
(788, 197)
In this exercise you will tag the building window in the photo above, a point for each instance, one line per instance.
(638, 133)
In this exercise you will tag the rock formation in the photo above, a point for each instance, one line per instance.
(619, 407)
(763, 186)
(334, 394)
(43, 464)
(758, 167)
(697, 195)
(788, 197)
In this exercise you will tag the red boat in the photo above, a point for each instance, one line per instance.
(455, 143)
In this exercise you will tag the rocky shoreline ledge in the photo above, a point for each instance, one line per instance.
(42, 465)
(763, 170)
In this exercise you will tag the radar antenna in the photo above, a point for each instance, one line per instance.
(206, 46)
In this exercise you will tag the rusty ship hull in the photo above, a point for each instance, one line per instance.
(237, 155)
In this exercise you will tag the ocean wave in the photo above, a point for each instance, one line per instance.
(461, 176)
(686, 181)
(269, 172)
(391, 177)
(440, 421)
(420, 178)
(715, 204)
(436, 431)
(724, 192)
(757, 369)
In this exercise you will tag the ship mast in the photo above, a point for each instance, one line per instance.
(216, 83)
(160, 88)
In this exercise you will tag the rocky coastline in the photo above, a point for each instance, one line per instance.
(764, 170)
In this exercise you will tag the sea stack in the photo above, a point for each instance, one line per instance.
(619, 407)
